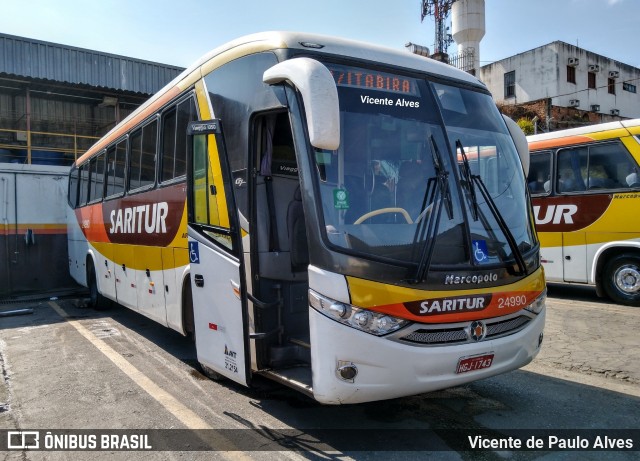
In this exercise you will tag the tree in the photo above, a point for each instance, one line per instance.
(526, 126)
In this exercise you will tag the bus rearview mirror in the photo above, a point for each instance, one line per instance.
(319, 94)
(520, 141)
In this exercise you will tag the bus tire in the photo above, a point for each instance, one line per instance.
(96, 300)
(621, 279)
(187, 312)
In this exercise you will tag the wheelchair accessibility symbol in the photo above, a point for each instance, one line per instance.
(480, 250)
(194, 253)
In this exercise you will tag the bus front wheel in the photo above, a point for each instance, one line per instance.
(621, 279)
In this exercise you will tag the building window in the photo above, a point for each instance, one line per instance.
(611, 84)
(510, 84)
(628, 87)
(592, 80)
(571, 74)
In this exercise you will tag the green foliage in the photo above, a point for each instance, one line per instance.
(526, 126)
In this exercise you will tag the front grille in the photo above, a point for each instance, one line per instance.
(506, 326)
(438, 335)
(447, 336)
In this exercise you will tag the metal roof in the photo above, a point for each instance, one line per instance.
(25, 57)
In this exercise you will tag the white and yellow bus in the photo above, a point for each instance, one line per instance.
(585, 189)
(314, 210)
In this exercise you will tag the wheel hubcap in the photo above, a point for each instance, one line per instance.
(627, 279)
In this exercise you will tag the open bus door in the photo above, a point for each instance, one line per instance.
(217, 283)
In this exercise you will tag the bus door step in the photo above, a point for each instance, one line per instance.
(288, 355)
(298, 378)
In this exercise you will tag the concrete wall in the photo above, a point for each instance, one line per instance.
(542, 73)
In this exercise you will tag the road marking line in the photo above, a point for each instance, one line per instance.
(186, 416)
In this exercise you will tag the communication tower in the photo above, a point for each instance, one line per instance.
(439, 9)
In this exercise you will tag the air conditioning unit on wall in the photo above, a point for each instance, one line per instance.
(573, 62)
(614, 74)
(595, 107)
(594, 68)
(574, 103)
(615, 112)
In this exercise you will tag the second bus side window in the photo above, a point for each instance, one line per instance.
(539, 178)
(595, 167)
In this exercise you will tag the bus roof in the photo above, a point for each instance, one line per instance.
(581, 134)
(278, 40)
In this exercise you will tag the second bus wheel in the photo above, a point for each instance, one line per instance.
(96, 300)
(621, 279)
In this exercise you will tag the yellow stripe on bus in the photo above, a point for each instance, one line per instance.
(366, 293)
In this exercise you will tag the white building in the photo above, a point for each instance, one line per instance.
(565, 76)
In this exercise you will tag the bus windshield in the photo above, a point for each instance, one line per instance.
(396, 189)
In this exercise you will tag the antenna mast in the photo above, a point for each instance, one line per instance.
(439, 9)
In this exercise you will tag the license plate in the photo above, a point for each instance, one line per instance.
(477, 362)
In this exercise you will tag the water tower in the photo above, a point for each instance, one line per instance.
(467, 26)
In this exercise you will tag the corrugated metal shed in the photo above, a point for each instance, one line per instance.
(25, 57)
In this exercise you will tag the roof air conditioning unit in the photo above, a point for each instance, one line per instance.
(595, 107)
(614, 74)
(573, 62)
(594, 68)
(615, 112)
(574, 102)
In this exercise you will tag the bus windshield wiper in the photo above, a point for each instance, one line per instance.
(467, 181)
(438, 190)
(474, 179)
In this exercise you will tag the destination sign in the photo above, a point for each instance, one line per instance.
(356, 77)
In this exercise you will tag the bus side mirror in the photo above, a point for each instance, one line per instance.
(319, 94)
(520, 141)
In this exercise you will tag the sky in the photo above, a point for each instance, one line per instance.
(178, 32)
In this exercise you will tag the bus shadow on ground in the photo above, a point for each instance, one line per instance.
(575, 293)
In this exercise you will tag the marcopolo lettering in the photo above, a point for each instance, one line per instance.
(451, 279)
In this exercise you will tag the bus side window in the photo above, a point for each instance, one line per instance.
(96, 185)
(174, 139)
(74, 177)
(115, 168)
(84, 184)
(572, 169)
(539, 179)
(611, 167)
(142, 156)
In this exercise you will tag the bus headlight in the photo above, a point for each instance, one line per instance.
(365, 320)
(538, 304)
